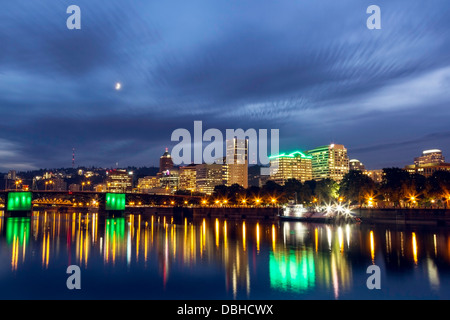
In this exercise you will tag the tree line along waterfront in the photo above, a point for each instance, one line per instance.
(398, 189)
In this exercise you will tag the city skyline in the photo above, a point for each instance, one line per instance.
(162, 161)
(135, 72)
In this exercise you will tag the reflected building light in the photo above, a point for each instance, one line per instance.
(36, 227)
(174, 243)
(146, 243)
(73, 225)
(388, 242)
(243, 235)
(152, 230)
(372, 247)
(114, 247)
(86, 249)
(435, 245)
(80, 246)
(316, 239)
(341, 239)
(225, 235)
(433, 275)
(248, 281)
(414, 247)
(192, 236)
(273, 238)
(24, 245)
(15, 252)
(201, 242)
(138, 238)
(234, 282)
(334, 277)
(347, 233)
(257, 237)
(47, 258)
(285, 233)
(217, 232)
(204, 234)
(43, 249)
(402, 246)
(329, 235)
(129, 245)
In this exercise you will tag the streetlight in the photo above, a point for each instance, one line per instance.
(47, 183)
(17, 183)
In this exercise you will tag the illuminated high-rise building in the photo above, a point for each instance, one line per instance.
(208, 176)
(296, 165)
(165, 162)
(236, 166)
(119, 180)
(356, 165)
(148, 183)
(431, 161)
(329, 162)
(430, 156)
(188, 176)
(169, 180)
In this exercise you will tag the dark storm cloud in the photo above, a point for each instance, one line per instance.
(311, 69)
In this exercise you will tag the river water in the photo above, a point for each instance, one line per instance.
(153, 257)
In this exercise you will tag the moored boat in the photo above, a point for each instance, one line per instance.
(329, 214)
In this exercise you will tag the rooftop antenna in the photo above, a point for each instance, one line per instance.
(73, 158)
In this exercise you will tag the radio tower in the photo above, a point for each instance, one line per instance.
(73, 158)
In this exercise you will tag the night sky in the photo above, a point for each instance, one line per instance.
(311, 69)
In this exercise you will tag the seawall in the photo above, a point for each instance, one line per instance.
(438, 217)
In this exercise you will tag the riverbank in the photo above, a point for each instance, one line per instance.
(438, 217)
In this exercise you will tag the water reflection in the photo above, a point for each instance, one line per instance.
(251, 258)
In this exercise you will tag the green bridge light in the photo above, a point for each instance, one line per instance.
(115, 201)
(19, 201)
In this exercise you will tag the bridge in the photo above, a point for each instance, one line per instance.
(18, 201)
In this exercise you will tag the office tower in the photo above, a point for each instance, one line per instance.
(430, 156)
(208, 176)
(169, 180)
(165, 162)
(236, 166)
(296, 165)
(329, 162)
(356, 165)
(119, 180)
(188, 176)
(431, 161)
(149, 183)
